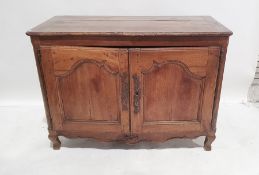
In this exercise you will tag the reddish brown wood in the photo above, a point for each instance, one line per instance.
(172, 92)
(130, 92)
(84, 88)
(35, 43)
(53, 136)
(133, 41)
(208, 141)
(130, 26)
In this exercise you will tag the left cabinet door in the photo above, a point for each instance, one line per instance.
(87, 90)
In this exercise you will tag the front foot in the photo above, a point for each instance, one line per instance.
(208, 141)
(55, 140)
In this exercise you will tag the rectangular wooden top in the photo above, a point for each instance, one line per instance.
(130, 26)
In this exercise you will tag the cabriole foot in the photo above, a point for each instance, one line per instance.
(208, 141)
(55, 140)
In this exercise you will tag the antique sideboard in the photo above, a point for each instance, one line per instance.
(130, 79)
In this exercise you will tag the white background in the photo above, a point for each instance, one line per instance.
(25, 148)
(19, 83)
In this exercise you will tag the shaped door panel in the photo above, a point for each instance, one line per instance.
(172, 89)
(87, 88)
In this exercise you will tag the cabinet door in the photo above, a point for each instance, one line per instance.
(87, 89)
(172, 91)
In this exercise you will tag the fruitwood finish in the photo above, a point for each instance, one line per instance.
(130, 79)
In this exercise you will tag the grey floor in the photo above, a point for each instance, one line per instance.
(25, 149)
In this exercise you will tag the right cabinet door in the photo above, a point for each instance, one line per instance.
(172, 91)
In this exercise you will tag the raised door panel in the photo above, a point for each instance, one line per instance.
(87, 88)
(90, 100)
(172, 90)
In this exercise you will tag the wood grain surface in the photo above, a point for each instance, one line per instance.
(130, 26)
(131, 79)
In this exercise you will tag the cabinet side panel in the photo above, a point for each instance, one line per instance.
(52, 88)
(210, 86)
(37, 54)
(222, 59)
